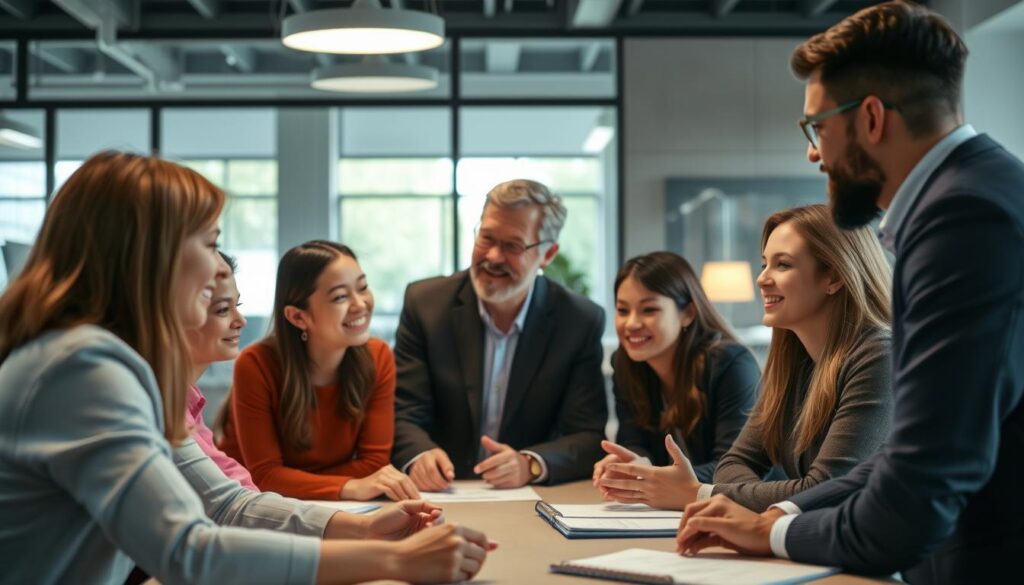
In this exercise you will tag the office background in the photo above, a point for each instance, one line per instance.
(610, 102)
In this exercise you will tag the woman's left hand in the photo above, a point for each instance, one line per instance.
(670, 488)
(402, 519)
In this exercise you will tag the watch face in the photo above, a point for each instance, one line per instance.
(534, 467)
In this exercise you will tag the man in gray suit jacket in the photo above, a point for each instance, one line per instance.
(941, 502)
(499, 368)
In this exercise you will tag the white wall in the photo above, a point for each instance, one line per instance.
(705, 108)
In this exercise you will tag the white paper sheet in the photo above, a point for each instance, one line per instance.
(479, 491)
(613, 511)
(702, 570)
(621, 523)
(347, 506)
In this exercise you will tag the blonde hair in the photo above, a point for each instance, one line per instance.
(860, 305)
(108, 254)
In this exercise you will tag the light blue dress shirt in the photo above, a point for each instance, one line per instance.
(912, 186)
(89, 486)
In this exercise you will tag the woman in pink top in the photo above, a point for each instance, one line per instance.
(216, 341)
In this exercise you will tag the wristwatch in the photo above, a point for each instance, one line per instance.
(535, 468)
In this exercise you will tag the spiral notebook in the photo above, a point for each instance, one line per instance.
(637, 565)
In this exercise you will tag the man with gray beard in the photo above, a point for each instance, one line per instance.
(499, 368)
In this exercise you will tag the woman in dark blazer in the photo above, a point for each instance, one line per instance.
(683, 385)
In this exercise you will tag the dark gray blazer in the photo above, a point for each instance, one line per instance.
(555, 404)
(941, 501)
(729, 385)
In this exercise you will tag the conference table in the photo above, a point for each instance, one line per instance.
(529, 545)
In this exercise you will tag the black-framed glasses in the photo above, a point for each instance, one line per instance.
(810, 124)
(486, 241)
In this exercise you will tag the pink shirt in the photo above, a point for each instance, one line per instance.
(204, 438)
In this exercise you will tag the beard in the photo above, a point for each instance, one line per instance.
(854, 186)
(494, 292)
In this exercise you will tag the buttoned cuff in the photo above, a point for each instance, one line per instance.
(787, 507)
(543, 466)
(704, 491)
(777, 538)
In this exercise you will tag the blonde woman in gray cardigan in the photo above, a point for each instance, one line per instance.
(825, 401)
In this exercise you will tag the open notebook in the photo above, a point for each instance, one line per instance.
(609, 520)
(637, 565)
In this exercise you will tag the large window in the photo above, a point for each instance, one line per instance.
(83, 133)
(395, 199)
(22, 181)
(236, 149)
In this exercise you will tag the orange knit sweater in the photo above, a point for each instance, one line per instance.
(341, 449)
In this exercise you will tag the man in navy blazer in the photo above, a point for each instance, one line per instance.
(943, 501)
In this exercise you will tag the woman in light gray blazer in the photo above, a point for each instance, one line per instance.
(96, 468)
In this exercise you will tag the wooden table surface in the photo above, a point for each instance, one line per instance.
(529, 545)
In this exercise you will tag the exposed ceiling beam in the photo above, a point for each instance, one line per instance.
(593, 13)
(23, 9)
(93, 13)
(812, 8)
(166, 63)
(490, 7)
(241, 58)
(66, 59)
(502, 56)
(634, 6)
(720, 8)
(209, 9)
(588, 56)
(301, 5)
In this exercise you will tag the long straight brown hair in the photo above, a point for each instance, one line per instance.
(108, 254)
(296, 281)
(670, 275)
(860, 305)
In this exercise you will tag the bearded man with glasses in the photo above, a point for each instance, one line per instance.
(941, 501)
(498, 367)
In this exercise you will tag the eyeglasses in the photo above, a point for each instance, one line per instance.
(810, 124)
(486, 241)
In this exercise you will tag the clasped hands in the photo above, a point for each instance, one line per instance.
(625, 477)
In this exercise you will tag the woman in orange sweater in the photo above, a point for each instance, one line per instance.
(312, 405)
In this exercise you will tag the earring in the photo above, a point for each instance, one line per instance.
(304, 336)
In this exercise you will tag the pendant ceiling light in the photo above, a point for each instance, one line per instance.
(375, 74)
(363, 29)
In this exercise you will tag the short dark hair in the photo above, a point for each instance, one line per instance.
(898, 51)
(230, 261)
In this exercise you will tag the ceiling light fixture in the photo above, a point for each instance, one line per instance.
(19, 135)
(365, 28)
(375, 74)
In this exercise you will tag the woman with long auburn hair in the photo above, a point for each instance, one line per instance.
(825, 401)
(312, 411)
(683, 385)
(97, 468)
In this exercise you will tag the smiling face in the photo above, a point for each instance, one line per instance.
(648, 324)
(217, 340)
(499, 277)
(794, 288)
(195, 283)
(338, 312)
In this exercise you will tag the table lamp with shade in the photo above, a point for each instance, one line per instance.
(728, 282)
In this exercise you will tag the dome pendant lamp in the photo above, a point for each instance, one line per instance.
(365, 28)
(375, 74)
